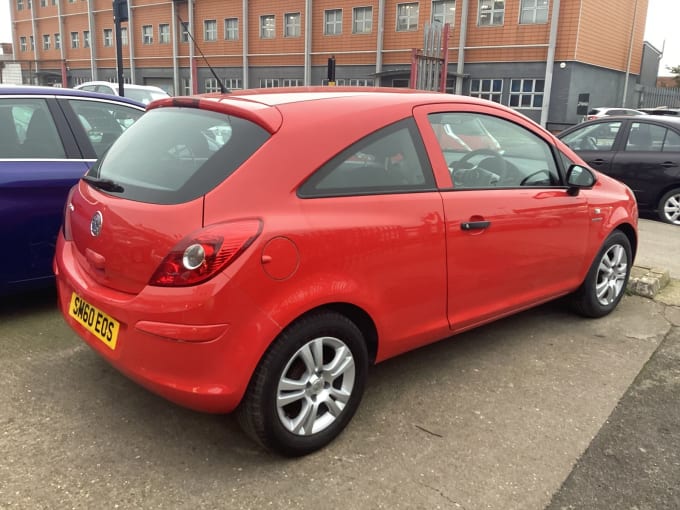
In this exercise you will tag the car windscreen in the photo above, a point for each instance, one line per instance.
(174, 155)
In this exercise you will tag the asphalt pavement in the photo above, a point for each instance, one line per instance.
(540, 410)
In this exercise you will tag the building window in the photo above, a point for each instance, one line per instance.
(86, 39)
(487, 89)
(20, 7)
(147, 34)
(233, 83)
(46, 41)
(268, 83)
(164, 33)
(54, 2)
(292, 82)
(407, 17)
(43, 3)
(362, 20)
(267, 26)
(333, 22)
(361, 82)
(57, 41)
(444, 11)
(108, 37)
(526, 93)
(291, 24)
(339, 82)
(231, 29)
(74, 40)
(210, 30)
(22, 43)
(185, 32)
(32, 41)
(534, 11)
(123, 36)
(491, 12)
(211, 85)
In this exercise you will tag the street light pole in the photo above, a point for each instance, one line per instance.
(120, 14)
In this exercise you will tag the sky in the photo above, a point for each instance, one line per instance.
(662, 29)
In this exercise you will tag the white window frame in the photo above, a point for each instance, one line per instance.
(163, 33)
(292, 82)
(533, 12)
(147, 34)
(46, 41)
(269, 83)
(57, 41)
(492, 8)
(231, 29)
(86, 38)
(233, 83)
(267, 26)
(211, 85)
(210, 30)
(292, 24)
(484, 88)
(184, 37)
(107, 39)
(123, 36)
(444, 11)
(362, 20)
(529, 91)
(75, 40)
(407, 16)
(332, 22)
(23, 43)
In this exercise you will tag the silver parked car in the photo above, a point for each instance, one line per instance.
(142, 93)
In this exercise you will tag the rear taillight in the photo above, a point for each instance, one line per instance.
(203, 254)
(591, 117)
(68, 209)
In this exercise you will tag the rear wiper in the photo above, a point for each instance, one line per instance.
(104, 184)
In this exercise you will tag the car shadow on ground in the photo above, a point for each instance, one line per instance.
(28, 302)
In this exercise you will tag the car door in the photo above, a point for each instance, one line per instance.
(39, 163)
(514, 235)
(596, 142)
(649, 161)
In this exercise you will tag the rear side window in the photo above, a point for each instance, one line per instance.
(27, 130)
(174, 155)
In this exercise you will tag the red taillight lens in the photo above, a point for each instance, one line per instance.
(203, 254)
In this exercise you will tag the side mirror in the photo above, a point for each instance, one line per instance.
(579, 177)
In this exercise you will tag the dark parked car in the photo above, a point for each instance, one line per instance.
(642, 152)
(49, 137)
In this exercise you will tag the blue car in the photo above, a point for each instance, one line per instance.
(49, 137)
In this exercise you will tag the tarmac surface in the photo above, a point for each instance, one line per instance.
(540, 410)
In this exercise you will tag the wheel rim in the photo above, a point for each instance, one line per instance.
(611, 275)
(315, 386)
(671, 209)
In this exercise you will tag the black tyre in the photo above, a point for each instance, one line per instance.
(307, 386)
(607, 278)
(669, 207)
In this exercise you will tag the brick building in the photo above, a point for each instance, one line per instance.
(523, 53)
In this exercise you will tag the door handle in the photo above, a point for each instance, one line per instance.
(598, 161)
(474, 225)
(668, 164)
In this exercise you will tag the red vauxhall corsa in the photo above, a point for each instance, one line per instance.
(257, 251)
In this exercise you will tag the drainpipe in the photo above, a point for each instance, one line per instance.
(35, 41)
(307, 77)
(175, 51)
(64, 69)
(550, 62)
(244, 31)
(460, 67)
(630, 55)
(131, 42)
(380, 42)
(93, 38)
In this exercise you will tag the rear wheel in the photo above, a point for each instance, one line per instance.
(607, 278)
(307, 386)
(669, 207)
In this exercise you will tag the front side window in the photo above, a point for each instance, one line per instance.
(210, 30)
(534, 11)
(147, 34)
(490, 89)
(267, 26)
(526, 93)
(292, 24)
(594, 137)
(231, 29)
(174, 155)
(74, 40)
(391, 160)
(164, 33)
(362, 20)
(332, 22)
(483, 151)
(407, 17)
(491, 12)
(46, 41)
(444, 11)
(103, 122)
(28, 130)
(108, 37)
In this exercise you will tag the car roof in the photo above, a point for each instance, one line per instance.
(34, 90)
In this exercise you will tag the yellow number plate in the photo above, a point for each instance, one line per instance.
(94, 320)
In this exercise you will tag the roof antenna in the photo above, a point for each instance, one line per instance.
(185, 26)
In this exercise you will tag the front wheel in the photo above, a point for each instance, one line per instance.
(607, 278)
(669, 207)
(307, 386)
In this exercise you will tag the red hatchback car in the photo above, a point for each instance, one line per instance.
(257, 251)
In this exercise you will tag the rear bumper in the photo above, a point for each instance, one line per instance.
(195, 346)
